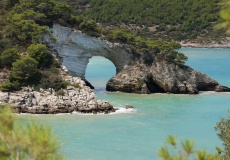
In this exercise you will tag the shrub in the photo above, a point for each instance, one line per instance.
(4, 44)
(41, 54)
(76, 85)
(10, 86)
(223, 129)
(28, 140)
(51, 80)
(25, 70)
(9, 56)
(172, 151)
(60, 93)
(55, 64)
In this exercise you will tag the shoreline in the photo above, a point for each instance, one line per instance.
(223, 44)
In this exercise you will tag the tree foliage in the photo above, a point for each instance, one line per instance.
(4, 44)
(41, 54)
(185, 151)
(172, 151)
(179, 19)
(9, 56)
(160, 49)
(25, 70)
(26, 19)
(223, 132)
(26, 141)
(225, 15)
(50, 80)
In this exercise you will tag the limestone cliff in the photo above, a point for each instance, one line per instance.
(77, 48)
(134, 74)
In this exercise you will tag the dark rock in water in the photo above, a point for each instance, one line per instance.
(220, 88)
(127, 106)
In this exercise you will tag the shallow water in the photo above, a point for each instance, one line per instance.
(138, 133)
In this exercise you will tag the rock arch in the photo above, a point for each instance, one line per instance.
(159, 76)
(77, 48)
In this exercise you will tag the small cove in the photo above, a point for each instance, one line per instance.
(138, 134)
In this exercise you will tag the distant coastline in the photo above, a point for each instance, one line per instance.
(223, 44)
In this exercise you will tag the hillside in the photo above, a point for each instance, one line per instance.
(178, 19)
(26, 61)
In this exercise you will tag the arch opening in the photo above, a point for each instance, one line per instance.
(98, 72)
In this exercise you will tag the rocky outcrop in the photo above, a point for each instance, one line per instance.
(136, 72)
(162, 77)
(48, 102)
(79, 98)
(77, 48)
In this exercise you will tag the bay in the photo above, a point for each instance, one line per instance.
(139, 133)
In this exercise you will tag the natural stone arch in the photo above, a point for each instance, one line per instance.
(138, 77)
(99, 68)
(77, 48)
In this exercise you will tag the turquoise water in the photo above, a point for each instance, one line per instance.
(138, 134)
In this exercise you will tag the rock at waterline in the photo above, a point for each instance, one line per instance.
(81, 99)
(127, 106)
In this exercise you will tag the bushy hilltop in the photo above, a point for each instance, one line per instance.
(177, 19)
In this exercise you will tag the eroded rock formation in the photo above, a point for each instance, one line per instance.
(162, 77)
(77, 48)
(136, 72)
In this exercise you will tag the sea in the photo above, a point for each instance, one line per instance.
(138, 134)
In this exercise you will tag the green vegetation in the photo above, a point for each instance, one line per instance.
(150, 12)
(173, 151)
(178, 20)
(160, 49)
(22, 27)
(60, 93)
(225, 14)
(41, 54)
(26, 141)
(9, 56)
(185, 151)
(25, 70)
(76, 85)
(223, 132)
(51, 80)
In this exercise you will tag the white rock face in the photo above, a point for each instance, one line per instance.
(79, 98)
(77, 48)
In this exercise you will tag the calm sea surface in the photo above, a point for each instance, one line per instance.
(138, 134)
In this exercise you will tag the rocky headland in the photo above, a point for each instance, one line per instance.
(162, 77)
(79, 98)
